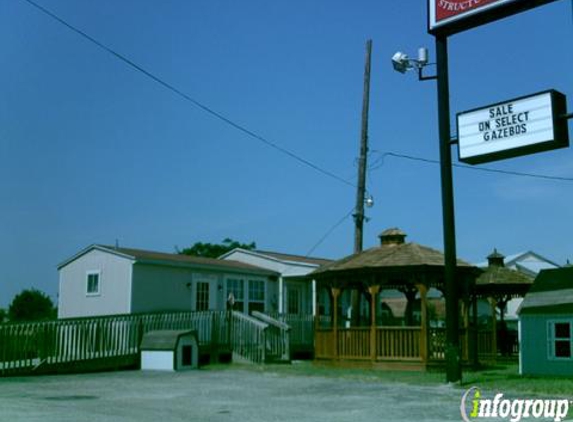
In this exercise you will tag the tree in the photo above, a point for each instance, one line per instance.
(3, 315)
(214, 250)
(31, 305)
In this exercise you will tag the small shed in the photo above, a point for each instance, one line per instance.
(170, 350)
(546, 325)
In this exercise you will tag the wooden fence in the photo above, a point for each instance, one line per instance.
(301, 333)
(100, 342)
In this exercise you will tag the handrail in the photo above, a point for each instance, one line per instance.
(244, 317)
(271, 321)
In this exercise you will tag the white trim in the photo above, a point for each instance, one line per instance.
(130, 292)
(551, 339)
(98, 292)
(281, 294)
(314, 297)
(272, 258)
(89, 249)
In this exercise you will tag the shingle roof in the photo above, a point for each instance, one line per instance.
(162, 258)
(502, 276)
(164, 339)
(295, 258)
(552, 291)
(390, 256)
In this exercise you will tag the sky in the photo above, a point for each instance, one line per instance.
(94, 151)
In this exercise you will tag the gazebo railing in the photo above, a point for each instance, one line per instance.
(401, 343)
(356, 343)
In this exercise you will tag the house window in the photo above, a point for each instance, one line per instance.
(92, 283)
(202, 296)
(256, 296)
(560, 339)
(235, 286)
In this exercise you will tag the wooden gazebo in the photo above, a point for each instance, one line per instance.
(498, 285)
(409, 268)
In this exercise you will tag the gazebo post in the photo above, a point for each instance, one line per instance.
(373, 290)
(466, 322)
(493, 304)
(335, 294)
(475, 317)
(424, 352)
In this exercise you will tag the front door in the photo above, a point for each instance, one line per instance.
(294, 300)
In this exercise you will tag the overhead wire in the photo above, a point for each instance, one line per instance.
(187, 97)
(330, 230)
(380, 163)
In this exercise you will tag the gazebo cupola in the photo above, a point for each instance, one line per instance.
(495, 259)
(392, 237)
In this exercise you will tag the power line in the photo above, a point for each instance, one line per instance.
(334, 227)
(380, 162)
(187, 97)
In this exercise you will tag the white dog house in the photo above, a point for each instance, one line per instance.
(170, 350)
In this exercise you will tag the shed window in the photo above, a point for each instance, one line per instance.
(560, 339)
(92, 284)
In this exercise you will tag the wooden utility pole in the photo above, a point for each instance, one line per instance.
(361, 187)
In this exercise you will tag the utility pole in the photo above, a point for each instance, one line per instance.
(361, 187)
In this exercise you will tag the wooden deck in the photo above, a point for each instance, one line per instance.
(112, 342)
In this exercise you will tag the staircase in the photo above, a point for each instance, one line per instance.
(259, 339)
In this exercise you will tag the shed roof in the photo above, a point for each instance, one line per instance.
(164, 339)
(162, 258)
(552, 292)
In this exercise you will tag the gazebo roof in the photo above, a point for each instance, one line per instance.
(503, 276)
(393, 254)
(498, 279)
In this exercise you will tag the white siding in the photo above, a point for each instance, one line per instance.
(114, 286)
(286, 269)
(161, 288)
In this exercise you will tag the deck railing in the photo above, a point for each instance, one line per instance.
(277, 337)
(248, 337)
(26, 347)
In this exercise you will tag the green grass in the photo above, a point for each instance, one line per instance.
(504, 378)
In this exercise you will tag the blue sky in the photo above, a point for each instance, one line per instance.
(92, 151)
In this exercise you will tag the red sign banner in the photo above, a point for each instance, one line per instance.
(451, 16)
(448, 8)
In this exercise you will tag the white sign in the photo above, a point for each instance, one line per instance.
(512, 128)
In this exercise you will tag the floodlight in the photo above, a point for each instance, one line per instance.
(401, 62)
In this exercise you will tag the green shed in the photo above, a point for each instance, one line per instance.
(546, 325)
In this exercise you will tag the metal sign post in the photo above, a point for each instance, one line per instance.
(452, 350)
(447, 17)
